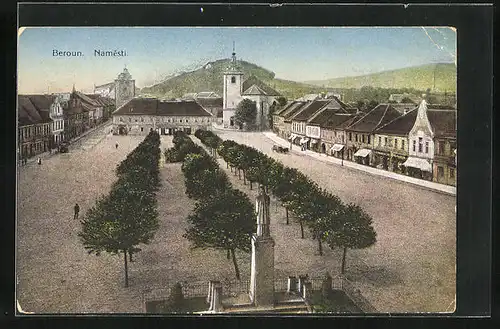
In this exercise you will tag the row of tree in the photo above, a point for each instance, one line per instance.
(223, 217)
(329, 219)
(127, 216)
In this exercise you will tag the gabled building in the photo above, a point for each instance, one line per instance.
(34, 125)
(139, 116)
(300, 119)
(390, 145)
(212, 105)
(433, 144)
(278, 119)
(333, 134)
(360, 134)
(287, 120)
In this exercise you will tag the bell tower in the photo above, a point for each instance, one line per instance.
(124, 88)
(233, 84)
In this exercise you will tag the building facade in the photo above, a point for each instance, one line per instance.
(359, 142)
(390, 144)
(139, 116)
(34, 127)
(57, 116)
(421, 152)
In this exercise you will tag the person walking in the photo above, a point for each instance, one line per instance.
(39, 161)
(77, 210)
(116, 145)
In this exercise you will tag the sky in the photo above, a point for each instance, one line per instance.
(298, 54)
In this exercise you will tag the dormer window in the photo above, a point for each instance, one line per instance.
(233, 79)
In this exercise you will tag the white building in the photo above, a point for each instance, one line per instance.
(140, 115)
(57, 115)
(421, 147)
(236, 89)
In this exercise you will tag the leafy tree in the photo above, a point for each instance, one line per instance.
(120, 222)
(354, 230)
(225, 222)
(206, 182)
(246, 113)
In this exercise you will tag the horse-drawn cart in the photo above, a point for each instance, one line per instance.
(280, 149)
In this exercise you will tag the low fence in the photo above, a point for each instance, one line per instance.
(233, 288)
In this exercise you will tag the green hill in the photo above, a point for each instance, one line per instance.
(417, 77)
(209, 78)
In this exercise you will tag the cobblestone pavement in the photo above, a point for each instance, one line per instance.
(411, 268)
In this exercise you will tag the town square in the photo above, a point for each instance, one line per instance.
(359, 178)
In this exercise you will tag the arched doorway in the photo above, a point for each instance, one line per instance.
(323, 148)
(231, 121)
(122, 130)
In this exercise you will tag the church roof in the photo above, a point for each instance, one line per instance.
(153, 106)
(253, 80)
(254, 90)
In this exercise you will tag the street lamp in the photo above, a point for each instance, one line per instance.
(342, 159)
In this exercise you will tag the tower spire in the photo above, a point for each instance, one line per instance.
(74, 90)
(234, 55)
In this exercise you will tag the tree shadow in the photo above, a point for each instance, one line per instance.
(379, 276)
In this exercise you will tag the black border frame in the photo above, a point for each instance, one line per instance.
(475, 93)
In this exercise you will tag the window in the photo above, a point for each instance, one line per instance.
(452, 173)
(363, 138)
(420, 144)
(342, 139)
(142, 129)
(385, 141)
(142, 119)
(402, 144)
(350, 136)
(356, 137)
(129, 119)
(414, 145)
(380, 141)
(395, 143)
(440, 171)
(187, 120)
(441, 148)
(135, 119)
(426, 147)
(121, 119)
(369, 141)
(233, 79)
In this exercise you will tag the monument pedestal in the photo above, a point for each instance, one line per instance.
(262, 271)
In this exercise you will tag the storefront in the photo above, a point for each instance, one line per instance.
(362, 156)
(337, 150)
(418, 168)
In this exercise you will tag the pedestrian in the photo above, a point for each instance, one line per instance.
(116, 145)
(77, 210)
(39, 161)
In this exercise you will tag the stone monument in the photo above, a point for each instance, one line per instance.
(262, 271)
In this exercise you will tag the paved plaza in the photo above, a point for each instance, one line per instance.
(412, 265)
(411, 268)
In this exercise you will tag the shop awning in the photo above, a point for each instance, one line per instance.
(292, 136)
(362, 153)
(337, 147)
(418, 163)
(304, 140)
(314, 141)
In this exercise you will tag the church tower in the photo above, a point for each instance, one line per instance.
(233, 85)
(124, 88)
